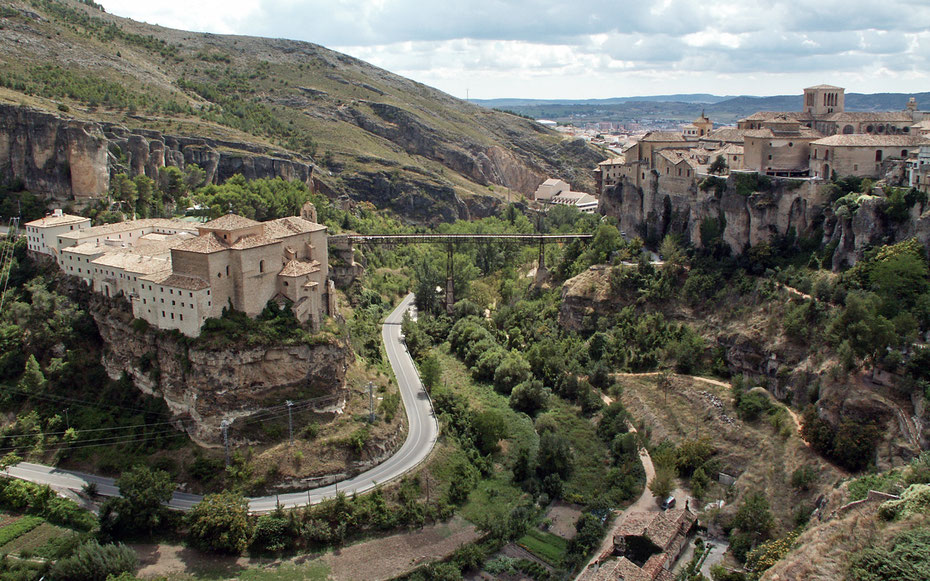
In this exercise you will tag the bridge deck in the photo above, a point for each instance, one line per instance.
(426, 238)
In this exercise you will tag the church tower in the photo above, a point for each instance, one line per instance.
(824, 99)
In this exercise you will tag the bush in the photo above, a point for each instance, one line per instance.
(905, 560)
(220, 522)
(271, 534)
(93, 561)
(753, 404)
(803, 477)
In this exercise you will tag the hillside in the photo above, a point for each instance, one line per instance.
(687, 107)
(367, 133)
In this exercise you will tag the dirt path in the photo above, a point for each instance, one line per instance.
(377, 559)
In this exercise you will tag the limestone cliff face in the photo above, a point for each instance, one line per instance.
(206, 386)
(66, 159)
(63, 159)
(868, 226)
(662, 208)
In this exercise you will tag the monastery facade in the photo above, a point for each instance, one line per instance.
(177, 274)
(788, 144)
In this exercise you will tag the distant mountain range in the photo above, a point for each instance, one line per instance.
(681, 107)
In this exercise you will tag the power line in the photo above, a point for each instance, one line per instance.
(61, 398)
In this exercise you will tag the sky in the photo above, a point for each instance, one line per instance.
(593, 49)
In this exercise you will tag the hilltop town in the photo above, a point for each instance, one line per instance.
(817, 142)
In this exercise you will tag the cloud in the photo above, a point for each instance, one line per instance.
(615, 43)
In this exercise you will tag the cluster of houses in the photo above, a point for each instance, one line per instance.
(646, 545)
(818, 142)
(176, 274)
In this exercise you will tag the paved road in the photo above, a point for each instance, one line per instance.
(421, 437)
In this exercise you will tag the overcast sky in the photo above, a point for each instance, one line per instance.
(580, 49)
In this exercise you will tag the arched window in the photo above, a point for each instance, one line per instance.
(848, 130)
(227, 270)
(878, 155)
(261, 266)
(903, 153)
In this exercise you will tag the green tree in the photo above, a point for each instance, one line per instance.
(554, 456)
(145, 491)
(33, 380)
(220, 522)
(430, 372)
(529, 397)
(754, 518)
(663, 483)
(490, 428)
(513, 370)
(718, 166)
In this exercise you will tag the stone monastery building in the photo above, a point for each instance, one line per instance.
(177, 274)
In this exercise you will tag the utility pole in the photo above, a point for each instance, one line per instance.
(290, 423)
(371, 403)
(225, 426)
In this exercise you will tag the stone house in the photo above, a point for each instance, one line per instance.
(646, 545)
(860, 154)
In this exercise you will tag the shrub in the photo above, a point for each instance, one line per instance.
(93, 561)
(753, 404)
(803, 477)
(220, 522)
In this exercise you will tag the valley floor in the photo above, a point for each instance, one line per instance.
(375, 559)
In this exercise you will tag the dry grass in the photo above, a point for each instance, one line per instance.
(823, 552)
(760, 455)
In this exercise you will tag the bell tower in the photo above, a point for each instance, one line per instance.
(824, 99)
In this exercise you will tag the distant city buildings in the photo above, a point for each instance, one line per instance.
(820, 140)
(176, 274)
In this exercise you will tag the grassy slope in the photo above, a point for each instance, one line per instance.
(308, 88)
(762, 457)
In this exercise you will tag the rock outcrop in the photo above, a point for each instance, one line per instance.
(203, 386)
(747, 217)
(60, 158)
(69, 159)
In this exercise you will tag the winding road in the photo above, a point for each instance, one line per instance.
(421, 437)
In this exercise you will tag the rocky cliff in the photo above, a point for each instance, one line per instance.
(748, 216)
(66, 158)
(204, 386)
(753, 210)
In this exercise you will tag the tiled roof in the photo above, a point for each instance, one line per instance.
(179, 281)
(726, 134)
(62, 220)
(86, 248)
(255, 241)
(289, 226)
(676, 157)
(766, 115)
(872, 140)
(801, 133)
(824, 87)
(230, 222)
(663, 136)
(613, 161)
(129, 226)
(205, 244)
(877, 116)
(136, 263)
(299, 268)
